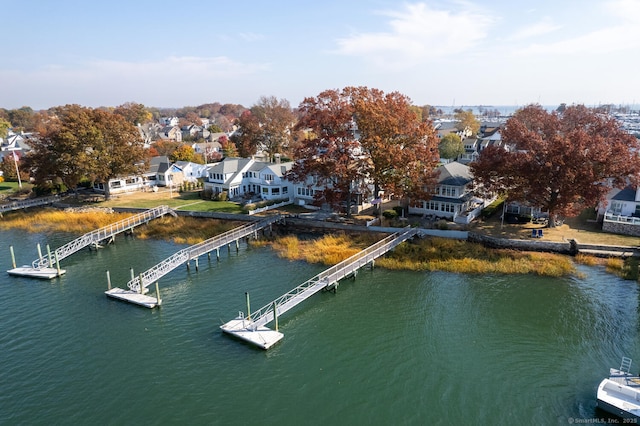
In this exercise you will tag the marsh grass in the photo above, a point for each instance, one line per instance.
(429, 254)
(181, 230)
(53, 220)
(327, 250)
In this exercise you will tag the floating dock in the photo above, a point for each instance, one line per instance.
(133, 297)
(260, 336)
(42, 273)
(254, 331)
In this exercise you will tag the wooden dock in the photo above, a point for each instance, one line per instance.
(134, 298)
(252, 327)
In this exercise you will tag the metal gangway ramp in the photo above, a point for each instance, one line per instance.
(138, 284)
(23, 204)
(43, 266)
(252, 327)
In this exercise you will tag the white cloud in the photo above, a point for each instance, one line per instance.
(417, 34)
(623, 34)
(543, 27)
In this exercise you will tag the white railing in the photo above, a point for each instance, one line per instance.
(22, 204)
(612, 217)
(273, 206)
(327, 277)
(169, 264)
(100, 235)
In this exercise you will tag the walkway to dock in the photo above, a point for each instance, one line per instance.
(31, 202)
(138, 284)
(252, 327)
(99, 235)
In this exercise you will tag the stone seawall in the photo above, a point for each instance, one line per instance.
(621, 228)
(568, 247)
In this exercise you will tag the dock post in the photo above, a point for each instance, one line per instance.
(209, 255)
(196, 264)
(246, 294)
(188, 264)
(39, 252)
(229, 247)
(108, 280)
(55, 254)
(275, 314)
(141, 286)
(218, 254)
(13, 257)
(132, 276)
(49, 255)
(237, 246)
(158, 300)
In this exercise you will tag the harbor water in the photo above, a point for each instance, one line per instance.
(388, 348)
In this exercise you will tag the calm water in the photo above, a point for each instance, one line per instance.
(389, 348)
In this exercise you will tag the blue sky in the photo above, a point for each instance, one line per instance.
(173, 54)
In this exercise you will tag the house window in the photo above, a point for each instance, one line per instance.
(285, 190)
(265, 190)
(275, 191)
(616, 207)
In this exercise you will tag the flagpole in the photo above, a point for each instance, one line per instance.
(15, 160)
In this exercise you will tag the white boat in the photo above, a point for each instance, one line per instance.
(620, 393)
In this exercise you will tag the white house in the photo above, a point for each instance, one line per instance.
(241, 177)
(453, 197)
(191, 172)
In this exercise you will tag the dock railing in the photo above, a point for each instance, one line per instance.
(182, 256)
(100, 235)
(326, 278)
(23, 204)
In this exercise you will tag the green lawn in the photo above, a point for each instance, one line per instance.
(178, 201)
(8, 188)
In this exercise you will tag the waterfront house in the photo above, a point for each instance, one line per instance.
(453, 196)
(247, 177)
(162, 172)
(621, 213)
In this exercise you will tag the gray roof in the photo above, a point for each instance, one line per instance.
(626, 194)
(454, 174)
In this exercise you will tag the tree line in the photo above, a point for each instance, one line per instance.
(357, 141)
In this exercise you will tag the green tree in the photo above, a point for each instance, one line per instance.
(214, 128)
(560, 162)
(450, 146)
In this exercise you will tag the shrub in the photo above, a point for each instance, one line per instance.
(390, 214)
(490, 210)
(442, 225)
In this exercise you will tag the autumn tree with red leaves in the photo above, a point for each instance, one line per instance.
(361, 136)
(561, 162)
(329, 157)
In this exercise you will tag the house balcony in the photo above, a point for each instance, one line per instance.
(621, 224)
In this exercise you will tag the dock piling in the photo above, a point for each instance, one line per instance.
(275, 314)
(218, 254)
(246, 294)
(141, 286)
(49, 255)
(158, 300)
(132, 276)
(237, 246)
(39, 253)
(108, 280)
(13, 257)
(196, 264)
(55, 254)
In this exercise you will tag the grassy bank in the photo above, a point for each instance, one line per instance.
(181, 230)
(430, 254)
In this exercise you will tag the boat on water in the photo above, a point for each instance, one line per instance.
(620, 393)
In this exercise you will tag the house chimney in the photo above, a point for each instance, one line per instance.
(277, 158)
